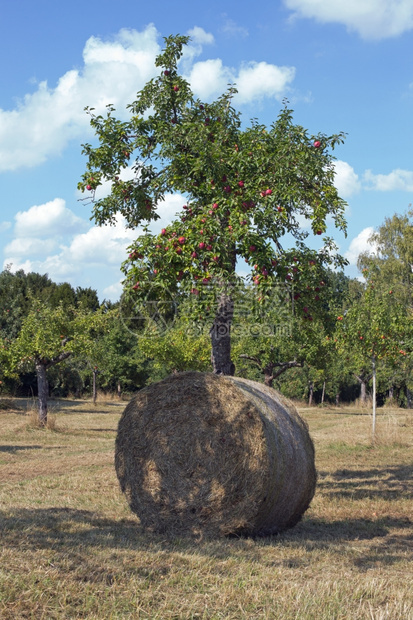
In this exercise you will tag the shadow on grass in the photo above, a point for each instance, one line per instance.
(14, 449)
(385, 483)
(68, 530)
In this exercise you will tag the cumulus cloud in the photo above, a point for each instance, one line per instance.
(22, 246)
(360, 244)
(50, 219)
(371, 19)
(51, 239)
(200, 36)
(401, 180)
(113, 71)
(254, 80)
(346, 180)
(257, 80)
(100, 246)
(44, 121)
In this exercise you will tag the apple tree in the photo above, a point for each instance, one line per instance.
(47, 337)
(376, 328)
(244, 188)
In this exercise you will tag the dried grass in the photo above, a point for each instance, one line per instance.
(201, 453)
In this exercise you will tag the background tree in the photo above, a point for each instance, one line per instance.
(47, 337)
(244, 188)
(373, 329)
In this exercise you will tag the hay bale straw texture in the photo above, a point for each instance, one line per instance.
(200, 453)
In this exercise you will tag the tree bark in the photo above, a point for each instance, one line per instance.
(94, 387)
(119, 389)
(323, 393)
(268, 378)
(409, 398)
(363, 379)
(373, 363)
(310, 393)
(220, 334)
(42, 391)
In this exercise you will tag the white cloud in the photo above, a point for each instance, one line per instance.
(371, 19)
(346, 180)
(209, 78)
(198, 35)
(401, 180)
(257, 80)
(113, 292)
(44, 121)
(254, 81)
(50, 219)
(51, 239)
(101, 245)
(360, 244)
(22, 246)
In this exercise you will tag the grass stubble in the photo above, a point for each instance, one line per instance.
(70, 547)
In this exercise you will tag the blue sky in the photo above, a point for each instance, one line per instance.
(344, 65)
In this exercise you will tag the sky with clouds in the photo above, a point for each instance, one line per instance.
(343, 66)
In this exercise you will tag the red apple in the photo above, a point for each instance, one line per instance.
(241, 183)
(252, 248)
(88, 187)
(215, 206)
(163, 231)
(194, 255)
(201, 245)
(317, 144)
(176, 88)
(268, 192)
(182, 240)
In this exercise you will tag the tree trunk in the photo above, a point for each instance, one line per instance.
(42, 392)
(323, 393)
(119, 389)
(310, 393)
(95, 392)
(391, 393)
(373, 363)
(363, 392)
(363, 379)
(337, 399)
(220, 333)
(409, 398)
(268, 378)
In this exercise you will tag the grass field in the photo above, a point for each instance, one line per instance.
(70, 547)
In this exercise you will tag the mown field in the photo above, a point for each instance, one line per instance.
(70, 547)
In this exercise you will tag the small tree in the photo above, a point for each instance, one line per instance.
(244, 189)
(47, 337)
(373, 329)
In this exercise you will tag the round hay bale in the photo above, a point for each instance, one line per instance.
(212, 454)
